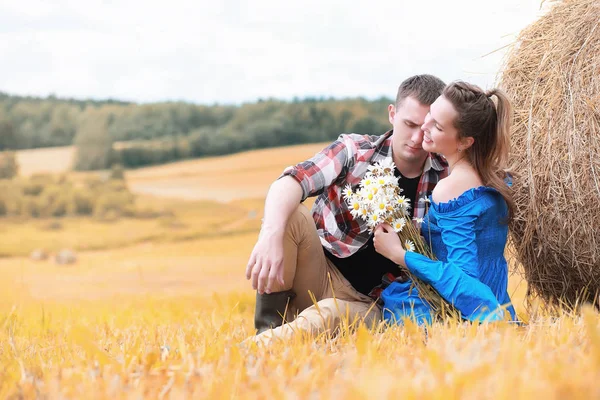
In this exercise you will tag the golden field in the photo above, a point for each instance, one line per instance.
(157, 308)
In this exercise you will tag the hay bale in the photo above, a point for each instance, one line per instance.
(553, 77)
(65, 257)
(38, 255)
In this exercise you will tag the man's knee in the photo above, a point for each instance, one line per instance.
(326, 312)
(300, 217)
(331, 306)
(349, 312)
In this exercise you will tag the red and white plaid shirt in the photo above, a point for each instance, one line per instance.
(346, 161)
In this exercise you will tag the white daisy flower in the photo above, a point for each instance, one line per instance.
(389, 192)
(399, 224)
(354, 203)
(388, 166)
(374, 220)
(381, 206)
(368, 181)
(403, 202)
(363, 212)
(407, 204)
(368, 196)
(376, 187)
(374, 168)
(385, 181)
(348, 193)
(409, 245)
(418, 220)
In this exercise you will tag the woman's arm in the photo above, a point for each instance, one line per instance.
(457, 279)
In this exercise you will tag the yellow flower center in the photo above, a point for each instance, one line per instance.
(356, 206)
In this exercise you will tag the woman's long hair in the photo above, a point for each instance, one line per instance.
(488, 122)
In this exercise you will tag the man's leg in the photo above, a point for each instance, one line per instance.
(305, 268)
(340, 304)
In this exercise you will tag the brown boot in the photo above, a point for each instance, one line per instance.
(270, 309)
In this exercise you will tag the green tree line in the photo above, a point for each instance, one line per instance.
(111, 131)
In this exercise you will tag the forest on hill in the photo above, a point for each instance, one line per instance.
(111, 132)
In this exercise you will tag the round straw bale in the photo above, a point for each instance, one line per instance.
(65, 256)
(552, 74)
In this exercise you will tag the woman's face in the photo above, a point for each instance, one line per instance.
(439, 134)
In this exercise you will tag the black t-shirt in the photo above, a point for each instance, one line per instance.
(365, 268)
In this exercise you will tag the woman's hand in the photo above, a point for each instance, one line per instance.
(387, 243)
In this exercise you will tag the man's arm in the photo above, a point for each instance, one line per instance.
(308, 178)
(266, 261)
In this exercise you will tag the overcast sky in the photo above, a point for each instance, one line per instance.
(233, 51)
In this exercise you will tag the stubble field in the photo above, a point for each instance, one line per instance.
(158, 308)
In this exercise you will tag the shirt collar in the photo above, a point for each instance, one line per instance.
(435, 161)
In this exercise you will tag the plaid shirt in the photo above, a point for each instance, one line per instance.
(345, 161)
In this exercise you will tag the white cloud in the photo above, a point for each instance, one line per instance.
(234, 51)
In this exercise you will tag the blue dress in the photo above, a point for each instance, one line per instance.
(468, 236)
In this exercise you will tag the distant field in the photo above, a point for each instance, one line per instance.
(238, 176)
(51, 160)
(243, 175)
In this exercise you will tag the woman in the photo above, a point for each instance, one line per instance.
(469, 212)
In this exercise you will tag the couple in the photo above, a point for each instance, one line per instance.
(449, 145)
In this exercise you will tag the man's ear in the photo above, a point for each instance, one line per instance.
(391, 113)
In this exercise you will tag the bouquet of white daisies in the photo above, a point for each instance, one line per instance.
(379, 199)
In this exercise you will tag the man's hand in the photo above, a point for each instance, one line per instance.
(265, 266)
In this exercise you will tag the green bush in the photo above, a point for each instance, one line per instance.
(8, 165)
(113, 203)
(81, 202)
(46, 196)
(117, 172)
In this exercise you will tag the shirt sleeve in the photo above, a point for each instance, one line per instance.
(317, 173)
(457, 279)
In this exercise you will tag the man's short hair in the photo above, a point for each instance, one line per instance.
(424, 88)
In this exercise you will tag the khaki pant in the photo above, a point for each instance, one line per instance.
(306, 268)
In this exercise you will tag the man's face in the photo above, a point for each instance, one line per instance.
(407, 119)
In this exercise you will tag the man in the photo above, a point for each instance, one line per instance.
(329, 254)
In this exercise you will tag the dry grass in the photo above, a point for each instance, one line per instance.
(163, 318)
(187, 346)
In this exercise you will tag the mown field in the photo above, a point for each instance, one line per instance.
(157, 308)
